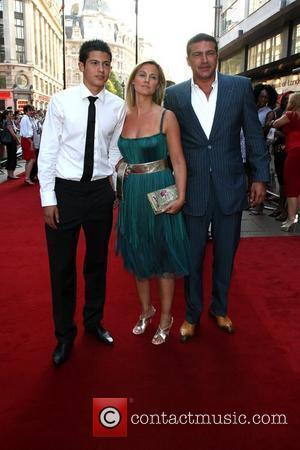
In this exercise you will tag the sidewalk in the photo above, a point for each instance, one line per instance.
(252, 226)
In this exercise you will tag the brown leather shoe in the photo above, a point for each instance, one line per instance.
(187, 331)
(223, 322)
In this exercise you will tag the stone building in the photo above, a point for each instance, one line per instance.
(30, 52)
(97, 21)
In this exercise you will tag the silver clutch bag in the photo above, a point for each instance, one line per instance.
(162, 197)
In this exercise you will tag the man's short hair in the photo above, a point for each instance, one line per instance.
(96, 45)
(28, 108)
(199, 38)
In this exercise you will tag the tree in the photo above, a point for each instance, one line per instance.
(113, 85)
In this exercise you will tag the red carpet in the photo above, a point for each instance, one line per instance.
(255, 371)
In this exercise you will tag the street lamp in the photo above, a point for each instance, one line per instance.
(136, 32)
(123, 89)
(63, 42)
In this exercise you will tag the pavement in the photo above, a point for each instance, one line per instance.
(252, 225)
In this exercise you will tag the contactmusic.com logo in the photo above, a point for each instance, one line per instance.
(109, 417)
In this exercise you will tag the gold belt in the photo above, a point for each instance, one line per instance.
(150, 167)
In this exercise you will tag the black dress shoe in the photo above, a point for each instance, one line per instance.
(61, 353)
(101, 334)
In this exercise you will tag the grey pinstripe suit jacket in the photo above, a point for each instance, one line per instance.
(220, 155)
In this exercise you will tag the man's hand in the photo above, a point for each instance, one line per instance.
(258, 193)
(51, 216)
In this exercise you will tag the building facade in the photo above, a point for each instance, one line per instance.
(30, 52)
(96, 21)
(260, 39)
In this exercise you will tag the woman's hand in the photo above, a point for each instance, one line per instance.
(174, 207)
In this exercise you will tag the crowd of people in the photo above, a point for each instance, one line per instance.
(22, 129)
(189, 136)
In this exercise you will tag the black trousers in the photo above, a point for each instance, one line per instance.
(88, 206)
(11, 149)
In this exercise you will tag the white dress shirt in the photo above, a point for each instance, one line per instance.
(204, 107)
(26, 129)
(62, 144)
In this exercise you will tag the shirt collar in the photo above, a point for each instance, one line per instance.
(84, 92)
(213, 85)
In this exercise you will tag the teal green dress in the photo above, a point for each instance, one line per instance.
(151, 245)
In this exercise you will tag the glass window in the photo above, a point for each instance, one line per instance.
(19, 24)
(234, 64)
(256, 4)
(296, 39)
(2, 81)
(267, 51)
(232, 15)
(1, 5)
(20, 51)
(41, 43)
(19, 6)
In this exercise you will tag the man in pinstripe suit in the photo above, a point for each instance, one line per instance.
(211, 109)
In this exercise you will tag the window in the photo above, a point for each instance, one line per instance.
(19, 6)
(234, 64)
(267, 51)
(2, 81)
(19, 24)
(232, 15)
(20, 51)
(2, 47)
(296, 39)
(41, 42)
(36, 82)
(256, 4)
(1, 5)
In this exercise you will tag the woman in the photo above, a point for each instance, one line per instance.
(279, 152)
(290, 121)
(265, 98)
(152, 245)
(11, 147)
(37, 132)
(26, 132)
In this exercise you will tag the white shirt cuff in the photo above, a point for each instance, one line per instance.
(48, 198)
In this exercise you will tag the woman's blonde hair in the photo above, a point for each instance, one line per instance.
(294, 102)
(158, 95)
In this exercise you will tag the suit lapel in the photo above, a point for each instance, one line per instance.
(224, 94)
(188, 109)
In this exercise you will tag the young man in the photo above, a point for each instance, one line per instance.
(211, 109)
(77, 158)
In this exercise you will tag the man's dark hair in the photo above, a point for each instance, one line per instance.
(199, 38)
(27, 108)
(95, 45)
